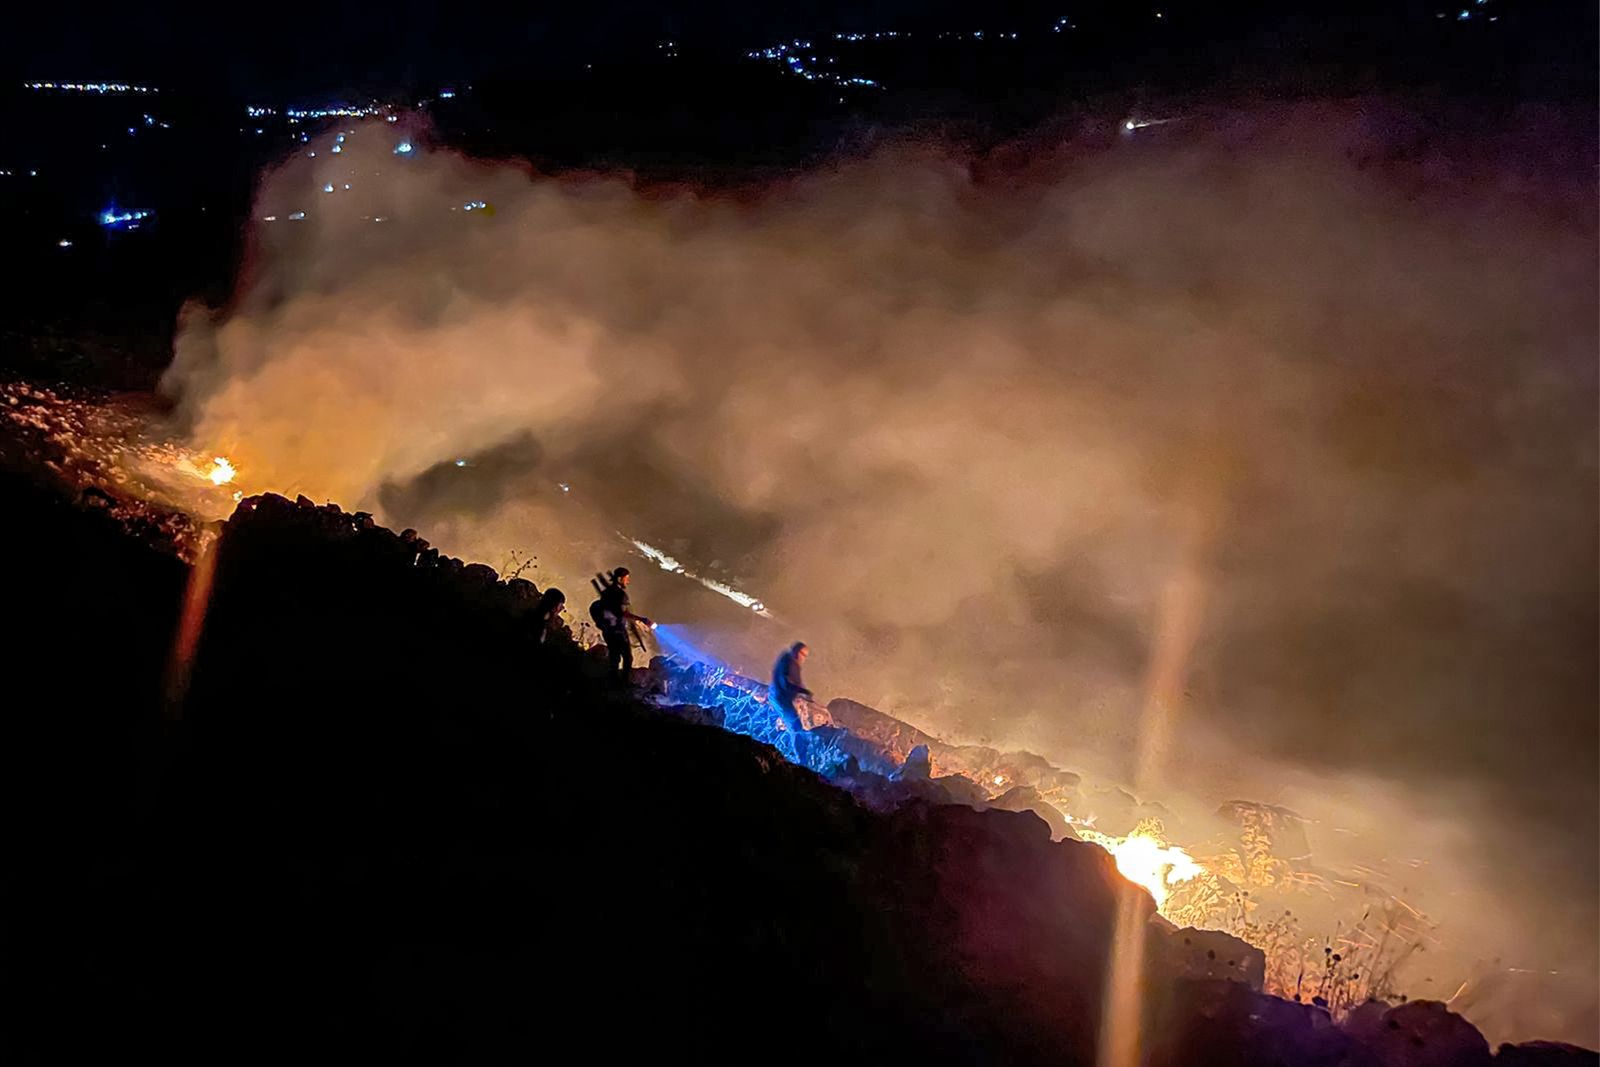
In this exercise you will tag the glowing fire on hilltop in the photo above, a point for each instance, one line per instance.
(221, 472)
(1145, 858)
(118, 452)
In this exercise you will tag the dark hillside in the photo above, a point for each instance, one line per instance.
(378, 821)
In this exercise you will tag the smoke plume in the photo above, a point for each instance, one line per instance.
(1251, 455)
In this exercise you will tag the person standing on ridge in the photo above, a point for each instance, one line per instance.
(547, 614)
(786, 689)
(611, 614)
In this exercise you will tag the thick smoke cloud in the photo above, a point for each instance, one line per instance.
(1253, 455)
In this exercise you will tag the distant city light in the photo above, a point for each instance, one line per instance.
(328, 188)
(447, 94)
(337, 149)
(793, 63)
(403, 148)
(113, 218)
(297, 216)
(336, 111)
(89, 87)
(63, 243)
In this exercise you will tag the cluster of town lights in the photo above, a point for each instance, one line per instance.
(794, 63)
(89, 87)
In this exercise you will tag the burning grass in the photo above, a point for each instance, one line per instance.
(106, 451)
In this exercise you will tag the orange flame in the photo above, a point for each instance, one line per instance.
(221, 472)
(1145, 858)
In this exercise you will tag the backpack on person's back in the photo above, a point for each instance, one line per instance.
(604, 610)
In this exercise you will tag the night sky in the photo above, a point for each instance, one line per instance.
(331, 46)
(335, 47)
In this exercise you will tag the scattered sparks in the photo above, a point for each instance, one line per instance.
(106, 447)
(672, 566)
(664, 561)
(1409, 908)
(743, 599)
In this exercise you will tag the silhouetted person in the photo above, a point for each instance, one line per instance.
(611, 614)
(547, 614)
(786, 688)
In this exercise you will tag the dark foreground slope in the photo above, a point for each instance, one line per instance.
(372, 819)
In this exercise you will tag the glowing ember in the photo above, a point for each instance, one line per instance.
(1145, 858)
(108, 448)
(221, 472)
